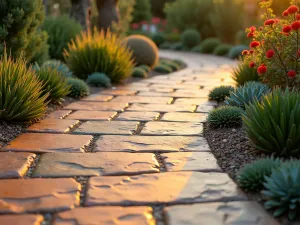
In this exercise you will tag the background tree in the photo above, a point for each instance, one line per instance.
(107, 13)
(141, 11)
(157, 7)
(81, 12)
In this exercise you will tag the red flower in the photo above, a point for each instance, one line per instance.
(270, 53)
(293, 9)
(298, 53)
(285, 13)
(254, 44)
(269, 22)
(287, 29)
(245, 52)
(262, 69)
(155, 20)
(291, 73)
(135, 26)
(251, 64)
(251, 51)
(295, 25)
(164, 22)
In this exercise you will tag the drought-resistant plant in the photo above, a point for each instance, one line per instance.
(162, 68)
(174, 66)
(252, 176)
(209, 45)
(273, 125)
(98, 80)
(236, 51)
(59, 66)
(243, 73)
(246, 94)
(179, 62)
(190, 38)
(220, 93)
(222, 49)
(99, 52)
(158, 39)
(20, 91)
(139, 72)
(196, 48)
(145, 67)
(172, 37)
(282, 190)
(145, 52)
(78, 88)
(165, 45)
(177, 46)
(141, 11)
(225, 116)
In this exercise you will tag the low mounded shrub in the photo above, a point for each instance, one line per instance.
(161, 68)
(166, 45)
(273, 124)
(243, 73)
(177, 46)
(220, 93)
(139, 72)
(59, 66)
(196, 48)
(174, 66)
(222, 49)
(145, 67)
(225, 116)
(172, 37)
(190, 38)
(158, 39)
(78, 88)
(236, 51)
(246, 94)
(209, 45)
(98, 80)
(179, 62)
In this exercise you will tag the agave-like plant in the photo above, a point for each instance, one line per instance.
(243, 73)
(220, 93)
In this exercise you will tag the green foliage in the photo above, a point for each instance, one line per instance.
(145, 67)
(162, 68)
(61, 30)
(172, 37)
(145, 52)
(78, 88)
(59, 66)
(273, 124)
(173, 65)
(190, 38)
(196, 49)
(179, 62)
(209, 45)
(157, 7)
(158, 39)
(139, 72)
(20, 91)
(243, 73)
(19, 32)
(241, 38)
(99, 52)
(53, 82)
(177, 46)
(42, 52)
(236, 51)
(98, 80)
(247, 94)
(282, 190)
(141, 11)
(222, 49)
(225, 116)
(165, 45)
(252, 176)
(220, 93)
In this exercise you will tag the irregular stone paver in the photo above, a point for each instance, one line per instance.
(137, 116)
(38, 195)
(191, 161)
(106, 215)
(161, 108)
(118, 143)
(59, 114)
(97, 98)
(184, 117)
(141, 99)
(162, 89)
(119, 92)
(175, 187)
(161, 80)
(34, 142)
(91, 115)
(107, 127)
(53, 126)
(204, 108)
(233, 213)
(172, 128)
(29, 219)
(180, 93)
(100, 106)
(95, 164)
(177, 86)
(194, 101)
(14, 165)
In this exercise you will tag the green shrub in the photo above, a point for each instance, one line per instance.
(141, 11)
(99, 52)
(282, 190)
(172, 37)
(252, 176)
(161, 68)
(98, 80)
(165, 45)
(236, 51)
(243, 73)
(179, 62)
(225, 116)
(139, 72)
(59, 66)
(196, 49)
(158, 39)
(61, 30)
(209, 45)
(146, 68)
(174, 66)
(78, 88)
(177, 46)
(145, 52)
(241, 38)
(220, 93)
(190, 38)
(20, 91)
(222, 49)
(42, 52)
(273, 124)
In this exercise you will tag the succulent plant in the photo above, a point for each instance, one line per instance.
(145, 67)
(59, 66)
(78, 88)
(190, 38)
(139, 72)
(243, 73)
(161, 68)
(225, 116)
(220, 93)
(236, 51)
(174, 66)
(98, 80)
(209, 45)
(158, 39)
(222, 49)
(177, 46)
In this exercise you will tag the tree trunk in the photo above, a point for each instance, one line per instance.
(108, 13)
(81, 12)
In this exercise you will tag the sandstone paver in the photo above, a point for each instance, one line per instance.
(117, 143)
(30, 219)
(175, 187)
(91, 115)
(138, 116)
(184, 117)
(59, 114)
(108, 215)
(119, 92)
(142, 99)
(177, 86)
(95, 164)
(180, 93)
(14, 165)
(35, 142)
(53, 126)
(161, 108)
(97, 106)
(204, 108)
(97, 98)
(38, 195)
(194, 101)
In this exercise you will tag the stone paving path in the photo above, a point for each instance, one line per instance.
(134, 155)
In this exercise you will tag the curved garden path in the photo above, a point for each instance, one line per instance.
(133, 155)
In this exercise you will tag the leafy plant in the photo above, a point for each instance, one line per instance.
(273, 125)
(179, 62)
(98, 80)
(165, 45)
(190, 38)
(243, 73)
(173, 65)
(78, 88)
(177, 46)
(158, 39)
(247, 94)
(139, 72)
(161, 68)
(196, 49)
(59, 66)
(146, 68)
(99, 52)
(222, 49)
(220, 93)
(172, 37)
(225, 116)
(236, 51)
(141, 11)
(253, 175)
(209, 45)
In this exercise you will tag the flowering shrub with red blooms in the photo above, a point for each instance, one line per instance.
(275, 47)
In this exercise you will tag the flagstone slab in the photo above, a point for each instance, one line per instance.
(172, 188)
(53, 126)
(15, 165)
(142, 99)
(138, 116)
(177, 86)
(191, 161)
(38, 195)
(97, 106)
(95, 164)
(172, 128)
(119, 92)
(92, 115)
(37, 142)
(59, 114)
(29, 219)
(194, 101)
(205, 108)
(117, 143)
(161, 108)
(232, 213)
(180, 93)
(97, 98)
(107, 215)
(184, 117)
(107, 127)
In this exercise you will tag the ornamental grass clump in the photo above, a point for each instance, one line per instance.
(59, 66)
(273, 124)
(225, 116)
(220, 93)
(243, 73)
